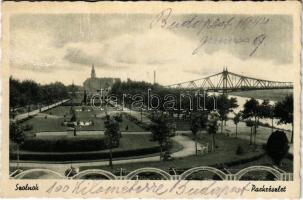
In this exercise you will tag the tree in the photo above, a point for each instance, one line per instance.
(194, 129)
(28, 92)
(212, 126)
(267, 111)
(160, 131)
(224, 106)
(28, 110)
(118, 118)
(16, 134)
(277, 146)
(283, 110)
(236, 120)
(14, 93)
(85, 97)
(203, 120)
(250, 124)
(112, 136)
(252, 110)
(73, 113)
(198, 122)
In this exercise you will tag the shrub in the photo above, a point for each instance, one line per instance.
(28, 127)
(85, 155)
(137, 122)
(239, 150)
(70, 172)
(167, 156)
(277, 146)
(64, 144)
(25, 119)
(264, 146)
(118, 118)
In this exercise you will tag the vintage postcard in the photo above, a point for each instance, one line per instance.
(151, 99)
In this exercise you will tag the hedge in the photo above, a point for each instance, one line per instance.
(69, 144)
(136, 121)
(89, 155)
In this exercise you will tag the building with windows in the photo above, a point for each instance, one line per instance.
(94, 84)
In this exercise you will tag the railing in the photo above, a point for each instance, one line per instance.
(279, 175)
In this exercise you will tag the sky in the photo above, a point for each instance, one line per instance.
(62, 47)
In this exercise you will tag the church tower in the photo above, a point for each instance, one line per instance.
(93, 73)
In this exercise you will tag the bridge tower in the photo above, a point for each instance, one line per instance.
(224, 78)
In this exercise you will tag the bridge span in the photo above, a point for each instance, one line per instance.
(228, 81)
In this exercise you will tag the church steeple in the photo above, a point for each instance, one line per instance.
(93, 73)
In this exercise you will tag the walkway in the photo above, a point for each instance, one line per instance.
(87, 133)
(34, 112)
(187, 150)
(263, 133)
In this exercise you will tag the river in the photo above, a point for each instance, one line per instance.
(241, 101)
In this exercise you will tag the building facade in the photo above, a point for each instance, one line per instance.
(95, 84)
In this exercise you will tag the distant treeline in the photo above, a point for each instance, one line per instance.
(135, 93)
(29, 92)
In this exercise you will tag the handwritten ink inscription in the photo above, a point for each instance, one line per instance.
(156, 188)
(205, 26)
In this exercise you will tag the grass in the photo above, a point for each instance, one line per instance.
(263, 132)
(42, 125)
(127, 149)
(287, 164)
(55, 117)
(226, 152)
(126, 141)
(273, 95)
(222, 156)
(59, 111)
(131, 126)
(40, 175)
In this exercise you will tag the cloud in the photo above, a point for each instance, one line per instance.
(132, 55)
(127, 51)
(80, 56)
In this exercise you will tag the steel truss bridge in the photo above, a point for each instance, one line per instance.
(228, 81)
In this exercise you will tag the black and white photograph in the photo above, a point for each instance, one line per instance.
(160, 95)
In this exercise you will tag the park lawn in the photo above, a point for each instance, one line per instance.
(225, 153)
(263, 132)
(126, 141)
(65, 111)
(99, 125)
(40, 124)
(182, 125)
(141, 141)
(273, 95)
(287, 164)
(132, 127)
(127, 149)
(59, 111)
(40, 175)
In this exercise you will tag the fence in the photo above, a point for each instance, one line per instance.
(278, 174)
